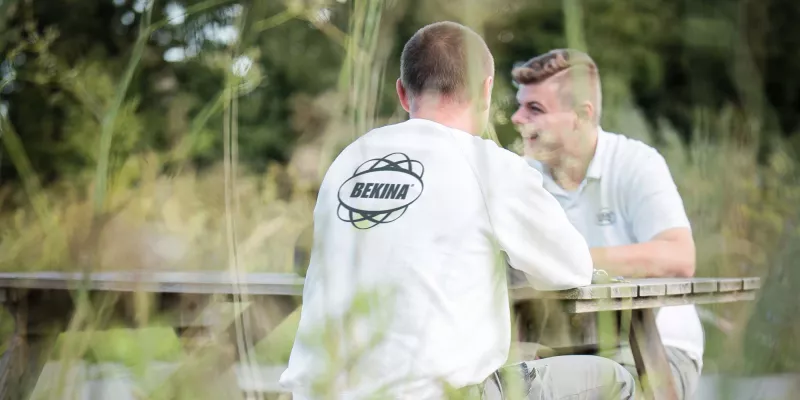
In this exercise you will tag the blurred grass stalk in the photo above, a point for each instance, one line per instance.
(107, 126)
(30, 181)
(362, 74)
(573, 22)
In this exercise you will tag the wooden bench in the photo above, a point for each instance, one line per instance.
(42, 302)
(44, 299)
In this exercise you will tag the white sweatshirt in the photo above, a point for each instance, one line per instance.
(408, 228)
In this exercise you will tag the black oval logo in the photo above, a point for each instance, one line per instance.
(380, 190)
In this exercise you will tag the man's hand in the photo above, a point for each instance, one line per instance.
(671, 253)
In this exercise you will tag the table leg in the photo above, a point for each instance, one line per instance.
(12, 359)
(20, 364)
(651, 359)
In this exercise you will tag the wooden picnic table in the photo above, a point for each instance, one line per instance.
(43, 297)
(642, 298)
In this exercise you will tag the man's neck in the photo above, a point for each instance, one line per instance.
(569, 170)
(450, 115)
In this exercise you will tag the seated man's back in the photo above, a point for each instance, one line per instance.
(407, 214)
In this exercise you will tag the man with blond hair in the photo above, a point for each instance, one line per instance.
(403, 298)
(618, 192)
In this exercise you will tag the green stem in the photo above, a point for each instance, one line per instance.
(199, 7)
(107, 126)
(273, 21)
(19, 159)
(573, 21)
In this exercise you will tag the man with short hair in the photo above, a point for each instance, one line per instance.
(616, 191)
(403, 298)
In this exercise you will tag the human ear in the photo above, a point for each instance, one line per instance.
(402, 94)
(486, 93)
(585, 112)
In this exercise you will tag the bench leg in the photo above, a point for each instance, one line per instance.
(12, 364)
(651, 359)
(238, 338)
(21, 363)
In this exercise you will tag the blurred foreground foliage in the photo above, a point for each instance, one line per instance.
(216, 108)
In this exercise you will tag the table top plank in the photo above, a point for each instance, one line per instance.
(597, 291)
(623, 290)
(730, 284)
(265, 283)
(672, 286)
(596, 305)
(211, 282)
(751, 283)
(647, 289)
(705, 285)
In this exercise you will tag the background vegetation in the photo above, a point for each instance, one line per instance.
(144, 135)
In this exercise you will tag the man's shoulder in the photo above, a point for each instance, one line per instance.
(636, 166)
(505, 160)
(533, 163)
(383, 133)
(629, 154)
(390, 144)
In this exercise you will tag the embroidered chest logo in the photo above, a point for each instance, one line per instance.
(606, 217)
(380, 190)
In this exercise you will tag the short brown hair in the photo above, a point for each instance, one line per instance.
(566, 65)
(444, 58)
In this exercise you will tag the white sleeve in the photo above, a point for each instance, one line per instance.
(530, 226)
(653, 202)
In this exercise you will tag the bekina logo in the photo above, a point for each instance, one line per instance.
(375, 190)
(380, 190)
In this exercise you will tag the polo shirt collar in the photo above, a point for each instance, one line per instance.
(547, 180)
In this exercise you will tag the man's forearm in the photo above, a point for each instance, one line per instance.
(658, 258)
